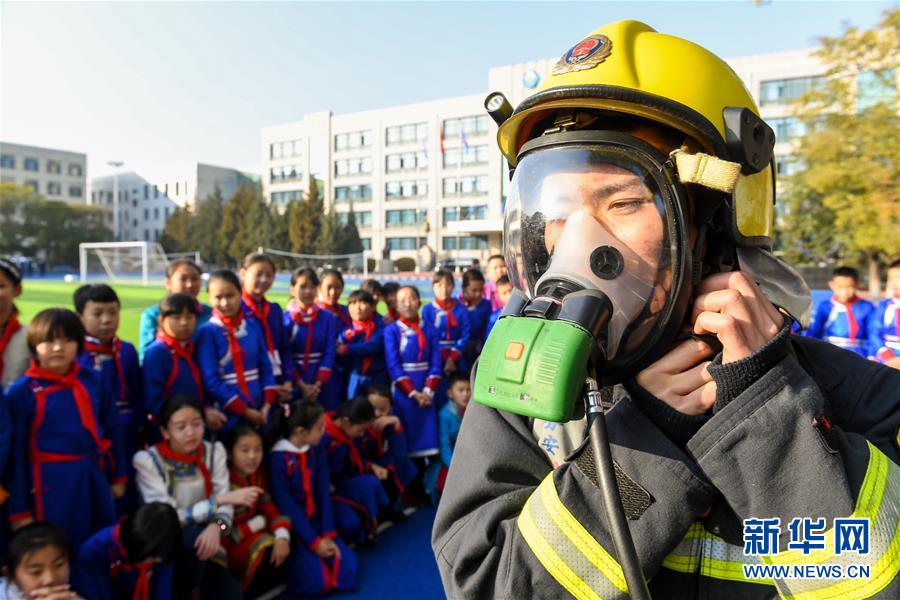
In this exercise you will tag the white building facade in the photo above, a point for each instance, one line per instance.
(55, 174)
(146, 203)
(412, 178)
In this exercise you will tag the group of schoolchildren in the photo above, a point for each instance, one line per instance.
(241, 445)
(848, 321)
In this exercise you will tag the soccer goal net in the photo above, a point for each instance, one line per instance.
(345, 263)
(135, 262)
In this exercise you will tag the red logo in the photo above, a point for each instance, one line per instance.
(584, 48)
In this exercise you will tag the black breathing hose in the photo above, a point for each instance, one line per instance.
(609, 490)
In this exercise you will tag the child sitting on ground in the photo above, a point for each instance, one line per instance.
(37, 565)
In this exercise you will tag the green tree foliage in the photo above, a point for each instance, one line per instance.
(305, 219)
(350, 240)
(245, 224)
(35, 226)
(329, 238)
(206, 223)
(177, 235)
(846, 195)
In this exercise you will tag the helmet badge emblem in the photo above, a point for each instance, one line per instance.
(586, 54)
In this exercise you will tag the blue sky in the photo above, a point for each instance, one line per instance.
(157, 84)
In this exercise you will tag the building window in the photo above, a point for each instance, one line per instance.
(473, 155)
(33, 184)
(347, 193)
(281, 198)
(413, 188)
(356, 139)
(54, 188)
(156, 191)
(75, 170)
(464, 213)
(470, 185)
(134, 223)
(876, 87)
(75, 191)
(477, 125)
(404, 243)
(366, 243)
(286, 173)
(8, 161)
(146, 214)
(403, 218)
(31, 164)
(406, 161)
(466, 242)
(286, 149)
(352, 166)
(405, 134)
(156, 213)
(134, 202)
(783, 91)
(54, 167)
(787, 128)
(166, 212)
(363, 218)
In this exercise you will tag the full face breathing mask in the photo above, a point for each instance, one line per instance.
(598, 250)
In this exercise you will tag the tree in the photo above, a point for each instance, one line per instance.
(847, 191)
(34, 226)
(328, 240)
(206, 222)
(239, 234)
(305, 219)
(350, 240)
(177, 235)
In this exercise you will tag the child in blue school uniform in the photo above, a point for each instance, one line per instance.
(312, 340)
(363, 343)
(843, 319)
(66, 418)
(504, 292)
(257, 277)
(299, 480)
(450, 321)
(384, 443)
(479, 311)
(413, 359)
(183, 276)
(884, 326)
(330, 290)
(450, 419)
(13, 348)
(358, 495)
(116, 361)
(234, 361)
(131, 559)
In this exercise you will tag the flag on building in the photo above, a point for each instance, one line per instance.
(465, 142)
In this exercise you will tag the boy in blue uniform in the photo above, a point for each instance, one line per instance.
(884, 326)
(116, 361)
(504, 291)
(459, 390)
(449, 320)
(843, 320)
(363, 343)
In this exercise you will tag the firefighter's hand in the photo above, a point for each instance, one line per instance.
(733, 308)
(680, 378)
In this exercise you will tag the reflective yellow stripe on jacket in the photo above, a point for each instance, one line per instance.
(878, 501)
(565, 548)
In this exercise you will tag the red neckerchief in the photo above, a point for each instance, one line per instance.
(114, 349)
(142, 585)
(307, 318)
(447, 306)
(335, 309)
(12, 326)
(165, 450)
(79, 393)
(237, 353)
(463, 300)
(305, 478)
(337, 434)
(262, 315)
(367, 328)
(852, 325)
(179, 350)
(393, 314)
(414, 325)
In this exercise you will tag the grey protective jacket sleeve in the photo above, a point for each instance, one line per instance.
(497, 466)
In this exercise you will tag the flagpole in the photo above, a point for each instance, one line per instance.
(459, 189)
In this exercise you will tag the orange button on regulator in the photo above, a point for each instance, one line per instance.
(514, 350)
